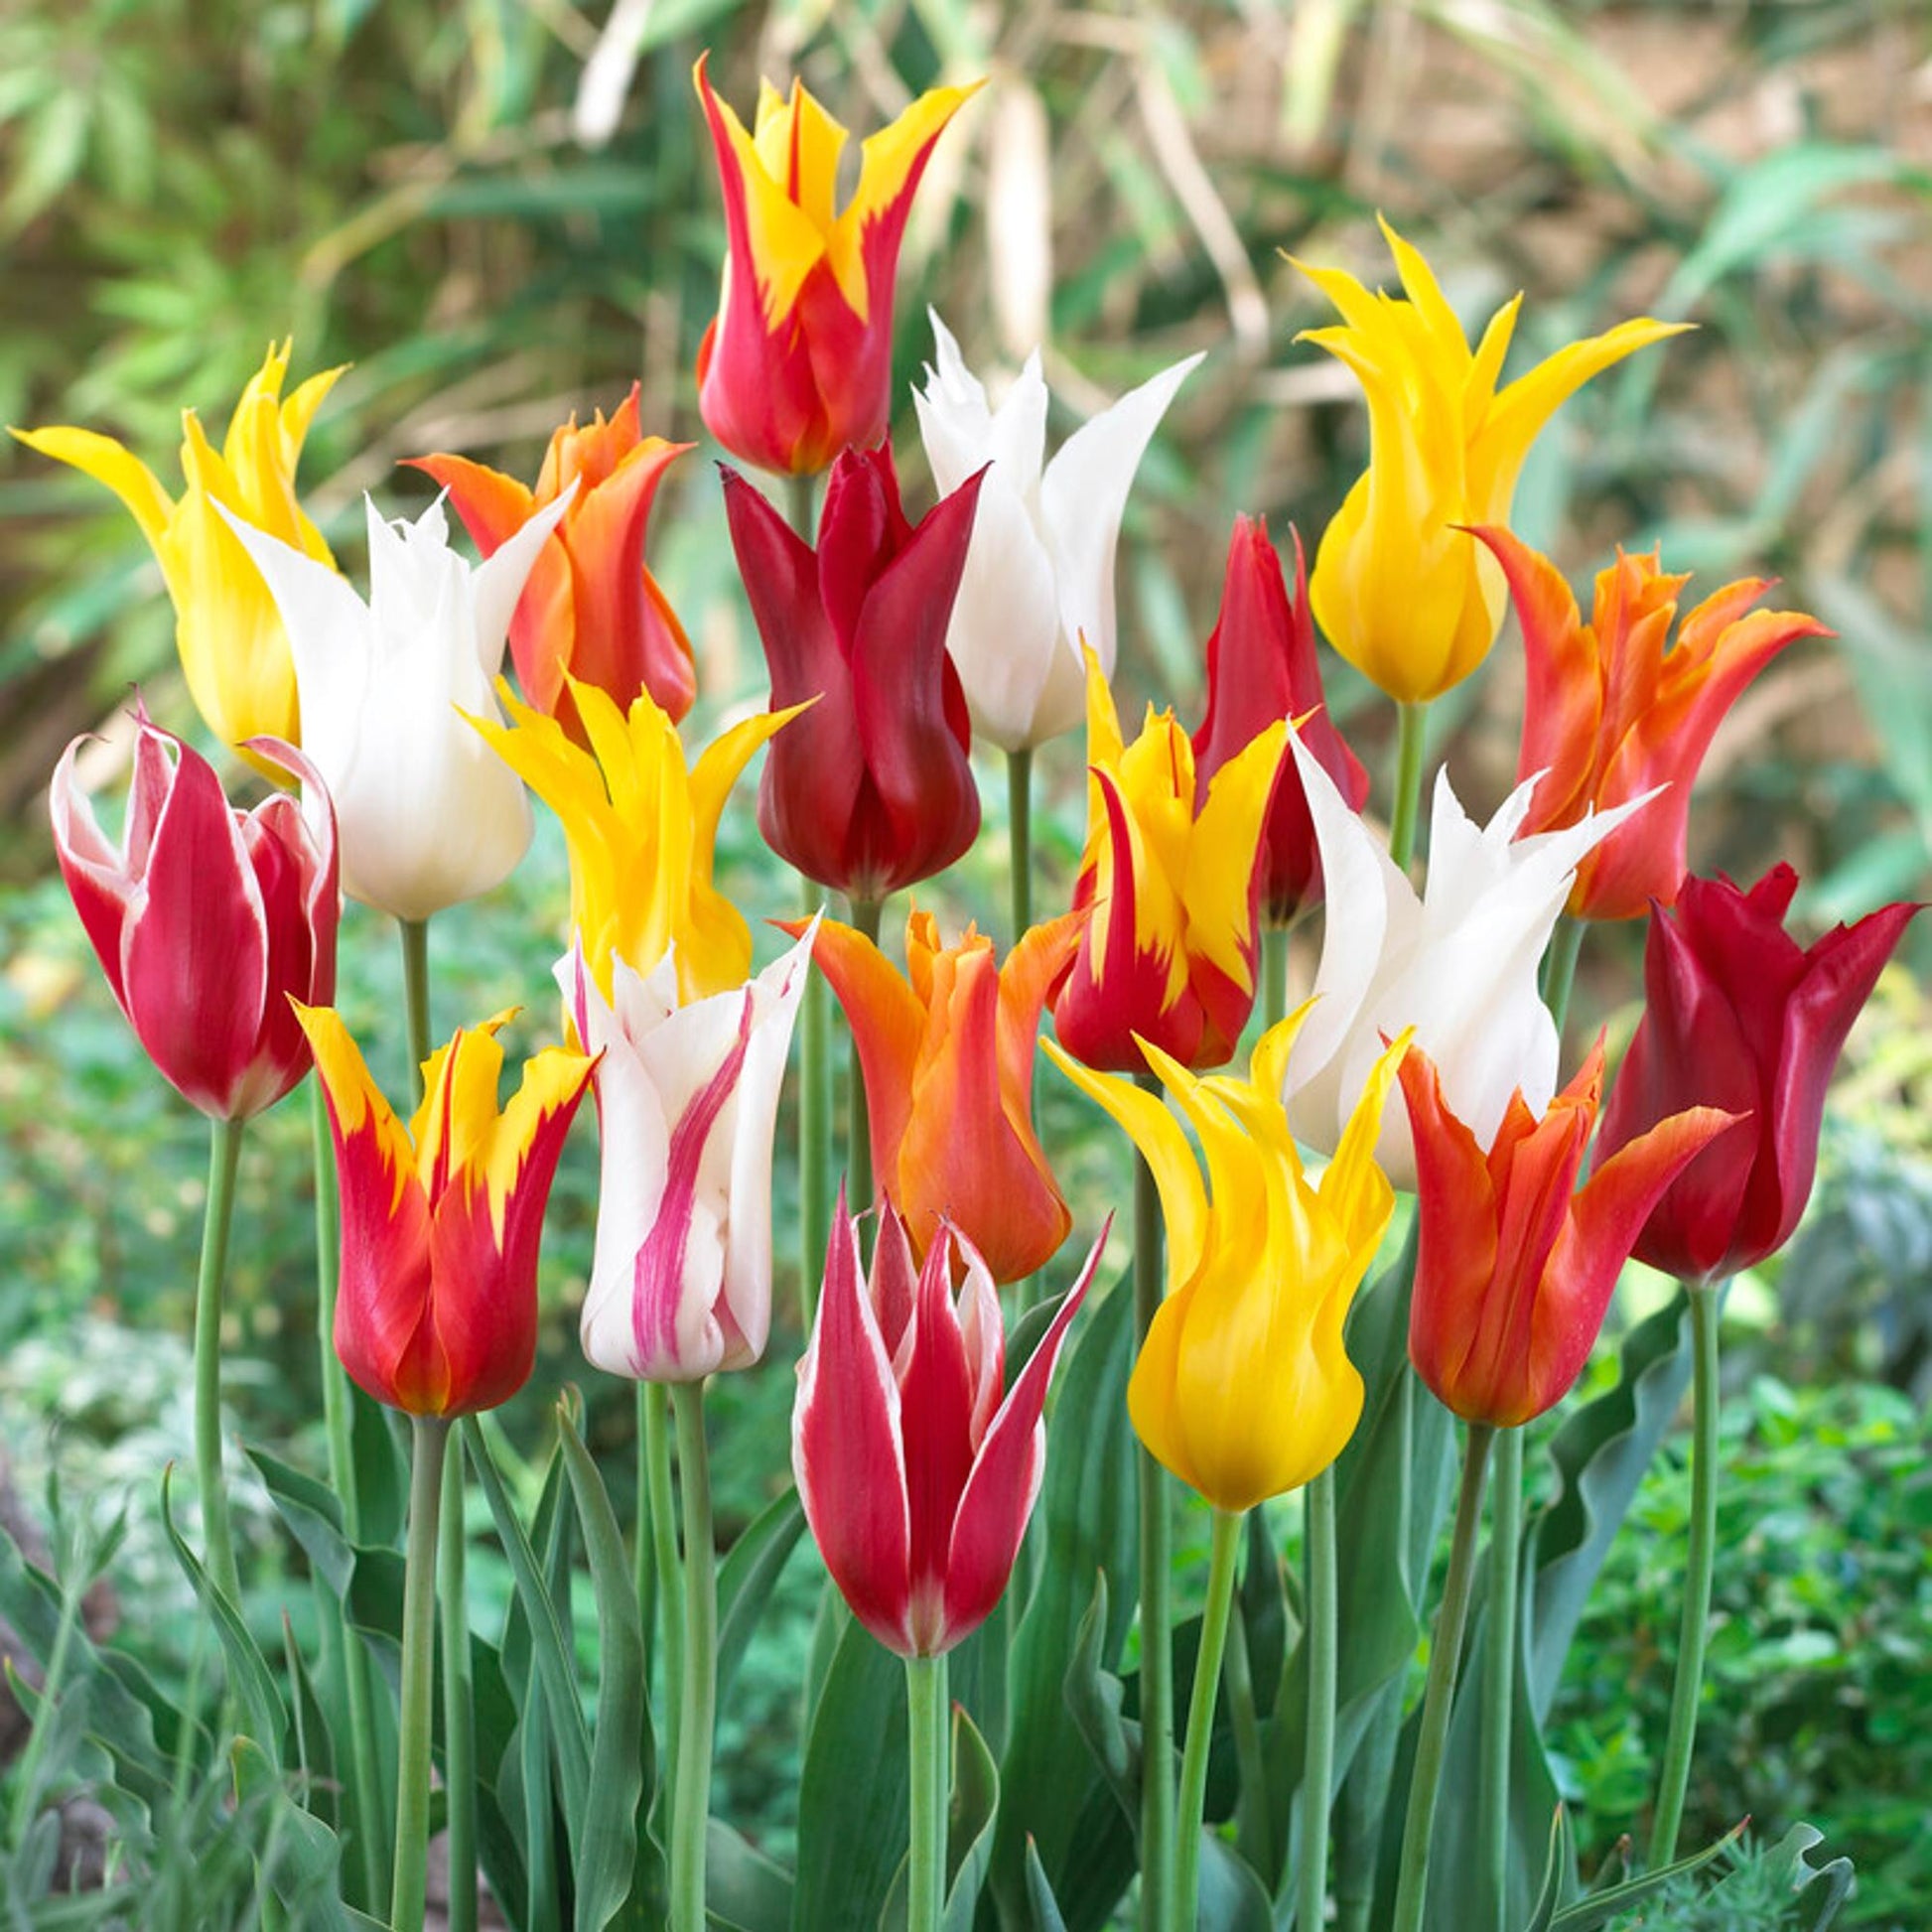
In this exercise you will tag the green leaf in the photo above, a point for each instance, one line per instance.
(744, 1889)
(1788, 1858)
(315, 1745)
(1601, 1907)
(1040, 1894)
(747, 1577)
(969, 1823)
(1096, 1699)
(300, 1855)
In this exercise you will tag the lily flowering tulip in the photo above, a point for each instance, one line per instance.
(1403, 592)
(206, 919)
(234, 653)
(1516, 1267)
(917, 1465)
(687, 1100)
(437, 1311)
(870, 789)
(1457, 962)
(1737, 1015)
(1243, 1389)
(1168, 957)
(429, 814)
(1612, 710)
(947, 1054)
(1261, 666)
(798, 363)
(1039, 573)
(590, 611)
(640, 827)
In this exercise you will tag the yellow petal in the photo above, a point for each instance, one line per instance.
(1221, 854)
(109, 462)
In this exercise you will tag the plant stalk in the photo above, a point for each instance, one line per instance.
(224, 1158)
(1499, 1665)
(1560, 966)
(670, 1572)
(865, 915)
(1411, 728)
(929, 1783)
(692, 1809)
(459, 1702)
(814, 1126)
(1191, 1820)
(1319, 1758)
(1274, 975)
(1444, 1652)
(431, 1437)
(1019, 837)
(415, 996)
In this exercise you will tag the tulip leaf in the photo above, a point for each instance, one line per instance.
(974, 1785)
(604, 1846)
(1599, 1908)
(1086, 1524)
(747, 1577)
(301, 1856)
(248, 1672)
(1097, 1699)
(1040, 1895)
(315, 1745)
(744, 1889)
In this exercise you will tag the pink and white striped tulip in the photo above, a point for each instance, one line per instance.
(687, 1100)
(917, 1478)
(206, 918)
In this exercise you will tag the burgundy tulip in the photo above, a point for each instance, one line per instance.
(206, 919)
(1261, 666)
(1739, 1016)
(870, 789)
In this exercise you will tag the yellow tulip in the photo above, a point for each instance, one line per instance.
(639, 825)
(234, 649)
(1410, 600)
(1243, 1389)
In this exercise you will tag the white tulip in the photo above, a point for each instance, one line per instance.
(687, 1108)
(1459, 963)
(1040, 574)
(428, 814)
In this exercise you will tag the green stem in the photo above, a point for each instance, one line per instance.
(642, 1542)
(415, 995)
(1705, 1309)
(1238, 1678)
(1157, 1530)
(1560, 966)
(1191, 1817)
(814, 1126)
(1019, 837)
(801, 504)
(1410, 724)
(663, 1531)
(1444, 1653)
(431, 1434)
(929, 1783)
(1499, 1665)
(692, 1809)
(223, 1156)
(459, 1713)
(1319, 1758)
(865, 915)
(339, 1431)
(1274, 975)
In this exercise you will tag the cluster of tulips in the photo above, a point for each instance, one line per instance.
(1427, 1057)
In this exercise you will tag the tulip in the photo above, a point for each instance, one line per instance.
(1039, 572)
(947, 1054)
(871, 789)
(1404, 593)
(798, 363)
(1243, 1389)
(206, 919)
(1261, 666)
(591, 611)
(429, 814)
(234, 649)
(1457, 962)
(688, 1104)
(1516, 1267)
(1168, 957)
(641, 826)
(1739, 1015)
(437, 1309)
(917, 1468)
(1612, 713)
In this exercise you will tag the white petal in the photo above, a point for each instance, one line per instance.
(499, 582)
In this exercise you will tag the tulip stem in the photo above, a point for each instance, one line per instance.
(865, 915)
(644, 1537)
(1274, 976)
(223, 1156)
(1019, 836)
(1157, 1656)
(663, 1530)
(1319, 1756)
(814, 1126)
(337, 1415)
(929, 1782)
(459, 1709)
(1560, 967)
(1705, 1313)
(692, 1809)
(1499, 1665)
(415, 996)
(1191, 1819)
(1444, 1653)
(1411, 727)
(431, 1438)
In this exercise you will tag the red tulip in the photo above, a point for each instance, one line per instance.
(870, 790)
(1739, 1016)
(1610, 714)
(1261, 666)
(206, 919)
(590, 610)
(917, 1466)
(1515, 1270)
